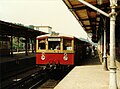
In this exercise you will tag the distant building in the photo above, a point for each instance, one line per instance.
(46, 29)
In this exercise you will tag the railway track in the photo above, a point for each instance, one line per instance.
(25, 79)
(15, 67)
(49, 84)
(54, 77)
(12, 74)
(34, 78)
(19, 78)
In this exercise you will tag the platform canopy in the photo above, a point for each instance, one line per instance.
(11, 29)
(88, 18)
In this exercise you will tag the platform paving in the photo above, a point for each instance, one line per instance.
(88, 76)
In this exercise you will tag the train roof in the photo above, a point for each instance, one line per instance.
(60, 35)
(56, 35)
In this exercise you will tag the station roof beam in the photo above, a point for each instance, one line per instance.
(11, 29)
(88, 18)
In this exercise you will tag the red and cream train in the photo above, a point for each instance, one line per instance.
(59, 49)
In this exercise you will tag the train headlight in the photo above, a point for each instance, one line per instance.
(43, 56)
(65, 57)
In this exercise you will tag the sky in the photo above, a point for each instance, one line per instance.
(53, 13)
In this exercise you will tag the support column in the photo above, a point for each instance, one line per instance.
(17, 44)
(105, 54)
(26, 46)
(32, 48)
(101, 47)
(11, 44)
(113, 77)
(104, 51)
(32, 45)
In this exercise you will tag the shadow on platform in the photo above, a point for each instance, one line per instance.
(91, 60)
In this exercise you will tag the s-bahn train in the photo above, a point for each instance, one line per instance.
(59, 49)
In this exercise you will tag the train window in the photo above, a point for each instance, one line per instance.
(67, 44)
(41, 44)
(54, 45)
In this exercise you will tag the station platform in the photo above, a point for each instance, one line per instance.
(16, 56)
(88, 76)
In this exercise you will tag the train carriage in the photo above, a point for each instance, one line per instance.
(58, 49)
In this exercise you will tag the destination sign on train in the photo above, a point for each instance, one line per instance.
(53, 39)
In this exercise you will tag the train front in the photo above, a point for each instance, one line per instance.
(55, 49)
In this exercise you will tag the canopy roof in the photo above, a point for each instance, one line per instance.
(11, 29)
(87, 17)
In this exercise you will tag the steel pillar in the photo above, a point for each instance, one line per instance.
(101, 47)
(26, 46)
(18, 44)
(104, 53)
(113, 79)
(32, 46)
(11, 44)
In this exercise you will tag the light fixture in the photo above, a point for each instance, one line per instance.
(65, 57)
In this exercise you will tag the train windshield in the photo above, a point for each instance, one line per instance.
(54, 43)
